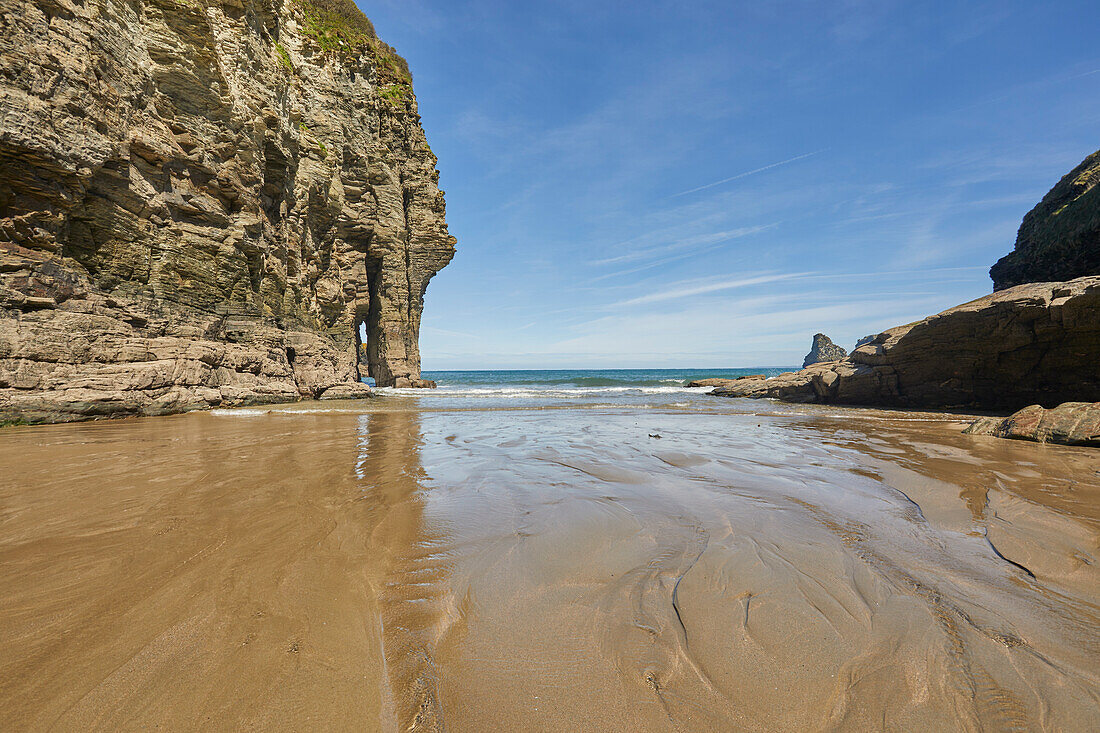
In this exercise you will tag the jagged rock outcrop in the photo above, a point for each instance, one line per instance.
(200, 201)
(1071, 423)
(823, 349)
(1031, 344)
(1060, 238)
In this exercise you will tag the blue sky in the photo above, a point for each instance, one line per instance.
(707, 184)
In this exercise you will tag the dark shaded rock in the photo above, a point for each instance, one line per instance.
(1032, 344)
(823, 349)
(1071, 423)
(1060, 238)
(865, 340)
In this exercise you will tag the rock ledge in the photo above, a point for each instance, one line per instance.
(1031, 344)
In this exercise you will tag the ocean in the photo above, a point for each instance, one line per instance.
(638, 388)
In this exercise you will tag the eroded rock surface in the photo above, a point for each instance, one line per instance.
(823, 349)
(721, 381)
(1031, 344)
(201, 202)
(1071, 423)
(1060, 238)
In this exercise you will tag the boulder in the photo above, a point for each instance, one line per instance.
(722, 381)
(823, 349)
(408, 383)
(347, 391)
(1071, 423)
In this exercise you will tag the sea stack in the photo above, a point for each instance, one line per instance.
(823, 349)
(201, 204)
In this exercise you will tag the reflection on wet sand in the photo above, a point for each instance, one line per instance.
(798, 569)
(408, 566)
(191, 571)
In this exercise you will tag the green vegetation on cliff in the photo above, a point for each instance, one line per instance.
(336, 24)
(395, 93)
(339, 27)
(284, 57)
(1060, 238)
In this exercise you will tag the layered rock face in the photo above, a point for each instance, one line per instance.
(823, 349)
(201, 201)
(1060, 238)
(1031, 344)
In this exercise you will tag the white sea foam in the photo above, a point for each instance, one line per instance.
(238, 412)
(534, 392)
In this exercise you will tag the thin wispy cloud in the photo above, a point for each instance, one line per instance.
(745, 331)
(690, 288)
(1020, 199)
(1028, 88)
(697, 243)
(445, 332)
(746, 174)
(889, 273)
(712, 287)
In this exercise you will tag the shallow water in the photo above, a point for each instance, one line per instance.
(476, 562)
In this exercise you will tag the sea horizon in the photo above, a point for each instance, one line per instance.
(564, 375)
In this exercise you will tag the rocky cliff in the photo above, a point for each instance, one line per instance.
(1031, 344)
(823, 349)
(1060, 238)
(201, 201)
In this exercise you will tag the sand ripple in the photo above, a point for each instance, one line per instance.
(547, 570)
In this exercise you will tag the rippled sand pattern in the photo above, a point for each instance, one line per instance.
(798, 569)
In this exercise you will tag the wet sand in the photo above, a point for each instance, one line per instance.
(554, 569)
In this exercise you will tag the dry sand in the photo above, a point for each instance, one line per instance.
(546, 570)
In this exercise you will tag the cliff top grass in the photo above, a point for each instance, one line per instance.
(336, 22)
(340, 27)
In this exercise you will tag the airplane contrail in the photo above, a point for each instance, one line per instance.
(748, 173)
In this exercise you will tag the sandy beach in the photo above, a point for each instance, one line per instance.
(757, 567)
(639, 367)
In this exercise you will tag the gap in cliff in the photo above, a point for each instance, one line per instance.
(366, 322)
(406, 200)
